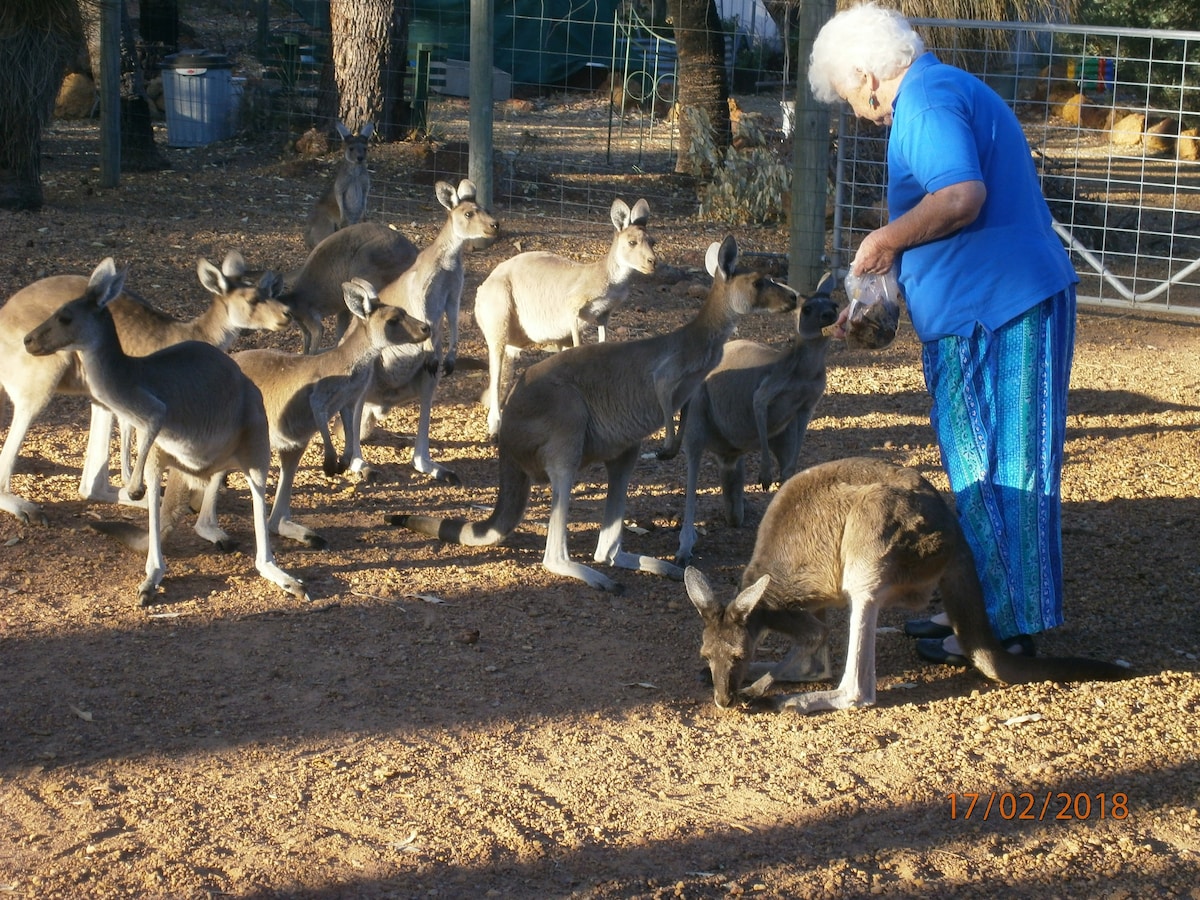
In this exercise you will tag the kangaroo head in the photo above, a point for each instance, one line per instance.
(354, 146)
(746, 290)
(469, 220)
(730, 638)
(816, 312)
(387, 325)
(633, 247)
(250, 298)
(81, 322)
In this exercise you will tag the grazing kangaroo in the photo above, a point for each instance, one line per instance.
(195, 414)
(239, 302)
(539, 297)
(344, 200)
(371, 251)
(868, 534)
(302, 393)
(758, 397)
(430, 290)
(596, 403)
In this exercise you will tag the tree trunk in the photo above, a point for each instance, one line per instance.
(38, 38)
(360, 33)
(701, 83)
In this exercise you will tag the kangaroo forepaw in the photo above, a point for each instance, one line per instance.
(666, 451)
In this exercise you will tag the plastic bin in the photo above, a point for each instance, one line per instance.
(198, 89)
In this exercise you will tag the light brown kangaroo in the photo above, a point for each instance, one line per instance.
(758, 398)
(344, 200)
(863, 533)
(539, 297)
(240, 301)
(195, 413)
(431, 290)
(302, 393)
(596, 403)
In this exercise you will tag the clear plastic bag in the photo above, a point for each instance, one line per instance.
(874, 313)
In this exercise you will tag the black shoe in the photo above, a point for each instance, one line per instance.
(927, 628)
(932, 650)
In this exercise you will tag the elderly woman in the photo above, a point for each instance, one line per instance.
(991, 293)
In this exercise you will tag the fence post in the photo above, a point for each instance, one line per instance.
(479, 136)
(110, 93)
(810, 159)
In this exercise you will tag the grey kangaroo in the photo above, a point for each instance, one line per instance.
(867, 534)
(596, 403)
(240, 301)
(758, 398)
(344, 200)
(195, 413)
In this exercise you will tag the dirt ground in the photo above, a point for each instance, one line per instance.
(450, 722)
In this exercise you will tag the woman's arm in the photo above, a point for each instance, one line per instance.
(937, 215)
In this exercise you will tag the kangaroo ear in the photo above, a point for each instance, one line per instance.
(445, 194)
(342, 130)
(106, 283)
(619, 213)
(722, 256)
(233, 266)
(367, 130)
(212, 278)
(640, 214)
(270, 284)
(701, 593)
(466, 190)
(359, 296)
(826, 285)
(745, 602)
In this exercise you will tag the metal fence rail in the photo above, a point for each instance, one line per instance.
(1111, 115)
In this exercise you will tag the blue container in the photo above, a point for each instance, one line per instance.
(198, 89)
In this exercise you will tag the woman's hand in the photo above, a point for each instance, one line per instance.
(875, 256)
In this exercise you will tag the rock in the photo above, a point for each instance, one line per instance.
(1128, 130)
(76, 97)
(1187, 146)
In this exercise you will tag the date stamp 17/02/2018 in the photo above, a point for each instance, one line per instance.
(1053, 806)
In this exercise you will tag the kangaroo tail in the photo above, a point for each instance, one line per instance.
(133, 536)
(512, 497)
(1000, 665)
(964, 605)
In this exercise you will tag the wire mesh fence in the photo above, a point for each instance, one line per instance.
(584, 112)
(1111, 116)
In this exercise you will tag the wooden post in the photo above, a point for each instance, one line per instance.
(479, 153)
(810, 160)
(110, 93)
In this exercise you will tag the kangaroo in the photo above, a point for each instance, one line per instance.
(344, 200)
(596, 403)
(758, 397)
(868, 534)
(195, 413)
(370, 250)
(430, 290)
(302, 393)
(239, 302)
(540, 298)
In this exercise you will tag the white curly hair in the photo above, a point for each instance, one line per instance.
(867, 39)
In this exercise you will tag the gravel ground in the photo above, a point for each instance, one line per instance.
(444, 721)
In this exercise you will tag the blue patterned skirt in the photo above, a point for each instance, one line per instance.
(1000, 412)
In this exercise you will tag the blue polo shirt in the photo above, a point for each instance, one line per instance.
(949, 127)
